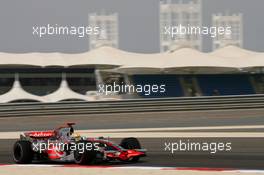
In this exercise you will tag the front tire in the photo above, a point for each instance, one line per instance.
(131, 143)
(22, 152)
(84, 157)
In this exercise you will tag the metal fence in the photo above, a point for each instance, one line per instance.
(135, 105)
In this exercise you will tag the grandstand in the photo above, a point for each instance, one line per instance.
(53, 77)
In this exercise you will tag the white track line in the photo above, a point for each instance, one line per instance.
(160, 135)
(142, 168)
(179, 128)
(158, 132)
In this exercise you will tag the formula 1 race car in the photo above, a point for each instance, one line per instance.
(62, 144)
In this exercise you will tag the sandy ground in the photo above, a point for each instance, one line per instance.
(175, 132)
(7, 170)
(15, 135)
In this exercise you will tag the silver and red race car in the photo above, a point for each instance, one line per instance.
(62, 144)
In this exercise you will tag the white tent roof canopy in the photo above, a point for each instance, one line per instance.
(227, 58)
(62, 93)
(18, 93)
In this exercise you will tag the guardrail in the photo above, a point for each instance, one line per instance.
(134, 105)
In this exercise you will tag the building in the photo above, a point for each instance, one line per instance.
(108, 24)
(54, 77)
(235, 21)
(175, 13)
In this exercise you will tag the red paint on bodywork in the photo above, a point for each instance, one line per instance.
(40, 134)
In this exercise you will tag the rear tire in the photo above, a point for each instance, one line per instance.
(131, 143)
(87, 157)
(22, 152)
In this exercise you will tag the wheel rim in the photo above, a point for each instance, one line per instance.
(77, 156)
